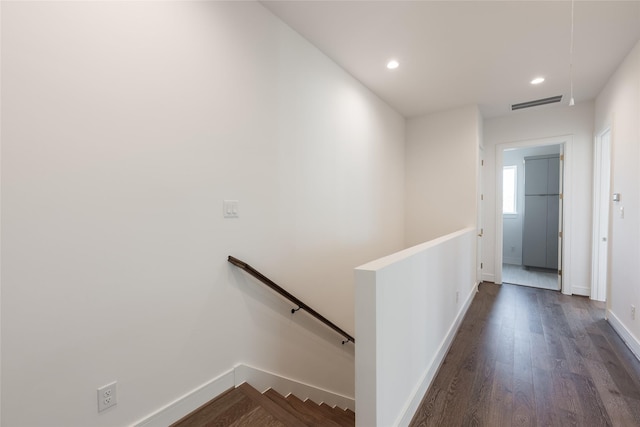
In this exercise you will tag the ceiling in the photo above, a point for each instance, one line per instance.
(456, 53)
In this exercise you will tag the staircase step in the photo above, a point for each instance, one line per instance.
(270, 406)
(346, 417)
(257, 417)
(223, 410)
(283, 403)
(352, 415)
(245, 406)
(334, 415)
(311, 410)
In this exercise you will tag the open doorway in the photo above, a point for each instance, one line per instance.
(531, 213)
(562, 275)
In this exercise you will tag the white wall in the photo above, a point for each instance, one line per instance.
(618, 107)
(1, 328)
(537, 124)
(441, 173)
(409, 306)
(124, 126)
(512, 223)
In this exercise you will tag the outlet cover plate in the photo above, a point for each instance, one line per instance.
(107, 396)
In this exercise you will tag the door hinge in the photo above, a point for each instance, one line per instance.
(481, 266)
(560, 234)
(481, 162)
(560, 196)
(559, 272)
(561, 157)
(482, 197)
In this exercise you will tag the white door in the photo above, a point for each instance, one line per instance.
(602, 176)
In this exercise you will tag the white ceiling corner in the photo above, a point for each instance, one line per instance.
(456, 53)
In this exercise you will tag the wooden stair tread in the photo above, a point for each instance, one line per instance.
(244, 406)
(286, 405)
(257, 417)
(335, 415)
(350, 414)
(345, 419)
(226, 408)
(235, 412)
(276, 410)
(347, 415)
(320, 411)
(312, 410)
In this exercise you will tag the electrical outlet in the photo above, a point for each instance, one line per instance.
(633, 312)
(107, 396)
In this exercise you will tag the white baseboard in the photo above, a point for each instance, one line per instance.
(427, 378)
(581, 290)
(629, 339)
(257, 378)
(188, 403)
(488, 278)
(262, 380)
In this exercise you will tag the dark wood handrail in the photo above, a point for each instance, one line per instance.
(270, 283)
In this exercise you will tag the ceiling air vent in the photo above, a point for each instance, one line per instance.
(535, 103)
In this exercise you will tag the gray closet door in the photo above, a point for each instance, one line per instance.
(541, 211)
(534, 232)
(536, 172)
(553, 177)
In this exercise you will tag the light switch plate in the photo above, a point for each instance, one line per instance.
(230, 209)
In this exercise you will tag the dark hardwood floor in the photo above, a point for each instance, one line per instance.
(533, 357)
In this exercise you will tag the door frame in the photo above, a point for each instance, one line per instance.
(479, 214)
(565, 254)
(602, 153)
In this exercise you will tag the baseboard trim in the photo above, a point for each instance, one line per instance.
(581, 290)
(257, 378)
(188, 403)
(629, 339)
(262, 380)
(427, 378)
(488, 278)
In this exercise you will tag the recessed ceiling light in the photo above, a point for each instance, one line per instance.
(393, 64)
(537, 80)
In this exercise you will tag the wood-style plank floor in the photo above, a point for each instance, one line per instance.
(534, 357)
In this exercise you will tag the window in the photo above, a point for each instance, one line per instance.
(509, 185)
